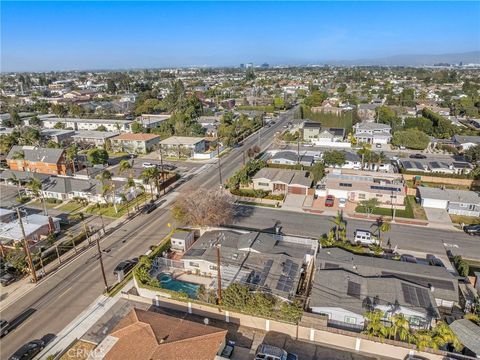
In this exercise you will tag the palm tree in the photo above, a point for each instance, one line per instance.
(71, 155)
(35, 186)
(364, 152)
(380, 158)
(443, 335)
(383, 226)
(423, 340)
(15, 181)
(124, 166)
(151, 176)
(339, 224)
(375, 325)
(401, 327)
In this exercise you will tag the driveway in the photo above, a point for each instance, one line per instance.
(293, 201)
(438, 216)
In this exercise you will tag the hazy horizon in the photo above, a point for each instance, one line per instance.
(46, 36)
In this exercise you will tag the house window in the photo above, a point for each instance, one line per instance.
(345, 185)
(378, 195)
(415, 321)
(212, 267)
(328, 315)
(361, 196)
(262, 184)
(350, 320)
(193, 264)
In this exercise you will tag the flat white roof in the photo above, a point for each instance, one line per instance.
(182, 140)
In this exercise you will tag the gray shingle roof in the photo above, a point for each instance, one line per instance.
(461, 196)
(445, 285)
(468, 333)
(37, 154)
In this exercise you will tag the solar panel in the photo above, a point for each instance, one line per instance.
(331, 266)
(353, 289)
(415, 296)
(258, 278)
(286, 279)
(439, 284)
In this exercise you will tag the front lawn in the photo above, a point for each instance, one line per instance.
(71, 206)
(109, 210)
(412, 210)
(462, 219)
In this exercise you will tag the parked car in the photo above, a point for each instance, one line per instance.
(148, 208)
(270, 352)
(125, 266)
(417, 156)
(329, 201)
(472, 229)
(29, 350)
(4, 327)
(168, 167)
(408, 258)
(364, 237)
(434, 261)
(147, 165)
(6, 278)
(378, 145)
(342, 202)
(227, 351)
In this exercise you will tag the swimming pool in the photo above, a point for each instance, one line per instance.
(167, 282)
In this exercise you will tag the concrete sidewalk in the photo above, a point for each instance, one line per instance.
(81, 324)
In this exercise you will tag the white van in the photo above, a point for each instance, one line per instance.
(364, 237)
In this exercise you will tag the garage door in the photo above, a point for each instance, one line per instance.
(434, 203)
(297, 190)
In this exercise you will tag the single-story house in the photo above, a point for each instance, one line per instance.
(457, 202)
(469, 335)
(135, 143)
(145, 335)
(35, 226)
(347, 285)
(465, 142)
(7, 215)
(282, 181)
(56, 135)
(263, 261)
(291, 158)
(388, 190)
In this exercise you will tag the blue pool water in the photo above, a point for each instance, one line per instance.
(167, 282)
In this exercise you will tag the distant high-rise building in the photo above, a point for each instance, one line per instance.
(265, 65)
(249, 65)
(242, 66)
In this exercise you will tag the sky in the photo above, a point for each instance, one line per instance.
(43, 36)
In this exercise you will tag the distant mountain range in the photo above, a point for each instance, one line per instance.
(413, 60)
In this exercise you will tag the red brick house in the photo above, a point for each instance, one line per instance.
(38, 160)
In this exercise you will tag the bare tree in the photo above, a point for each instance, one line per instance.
(203, 208)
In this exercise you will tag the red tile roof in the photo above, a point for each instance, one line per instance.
(149, 335)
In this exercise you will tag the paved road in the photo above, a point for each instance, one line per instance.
(62, 296)
(407, 238)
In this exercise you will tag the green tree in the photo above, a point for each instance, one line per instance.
(473, 154)
(369, 205)
(333, 157)
(35, 121)
(59, 125)
(386, 115)
(375, 325)
(317, 171)
(101, 128)
(411, 138)
(419, 123)
(339, 223)
(59, 110)
(97, 156)
(71, 154)
(365, 152)
(400, 328)
(111, 86)
(151, 176)
(137, 127)
(316, 98)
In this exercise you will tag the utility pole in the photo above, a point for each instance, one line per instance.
(103, 224)
(219, 276)
(101, 265)
(27, 248)
(161, 169)
(298, 151)
(219, 166)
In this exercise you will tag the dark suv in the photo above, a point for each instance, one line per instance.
(417, 156)
(125, 266)
(29, 350)
(472, 229)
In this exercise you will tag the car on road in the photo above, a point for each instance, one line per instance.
(434, 261)
(329, 201)
(125, 266)
(378, 145)
(148, 208)
(147, 165)
(364, 237)
(408, 258)
(29, 350)
(227, 351)
(342, 202)
(4, 327)
(472, 229)
(270, 352)
(168, 167)
(417, 156)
